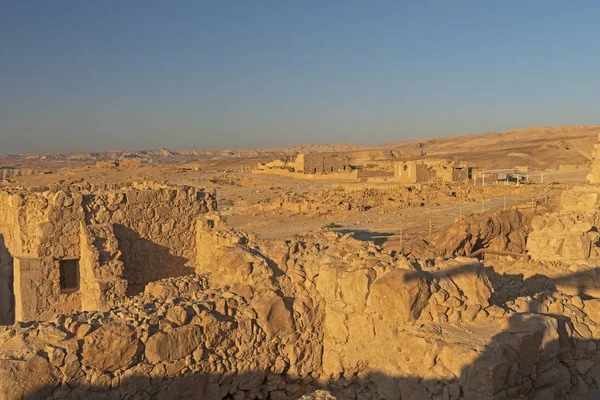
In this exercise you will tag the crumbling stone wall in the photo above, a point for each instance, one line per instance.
(346, 294)
(570, 233)
(374, 173)
(322, 163)
(154, 228)
(426, 171)
(413, 172)
(332, 313)
(102, 281)
(152, 224)
(565, 236)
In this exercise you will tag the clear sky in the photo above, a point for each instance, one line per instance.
(87, 75)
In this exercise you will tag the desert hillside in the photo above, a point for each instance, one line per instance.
(538, 147)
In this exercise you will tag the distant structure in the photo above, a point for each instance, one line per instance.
(322, 163)
(522, 169)
(594, 175)
(427, 171)
(311, 166)
(342, 166)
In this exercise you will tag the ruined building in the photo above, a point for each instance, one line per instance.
(427, 171)
(64, 251)
(322, 163)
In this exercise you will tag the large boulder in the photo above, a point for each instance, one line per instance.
(111, 348)
(472, 281)
(34, 378)
(400, 294)
(273, 315)
(168, 347)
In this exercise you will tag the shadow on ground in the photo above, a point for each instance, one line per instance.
(377, 238)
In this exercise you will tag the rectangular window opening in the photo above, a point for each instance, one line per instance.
(69, 275)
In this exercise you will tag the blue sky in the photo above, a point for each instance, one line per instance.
(86, 75)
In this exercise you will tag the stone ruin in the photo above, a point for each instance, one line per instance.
(281, 319)
(423, 171)
(310, 164)
(144, 292)
(79, 249)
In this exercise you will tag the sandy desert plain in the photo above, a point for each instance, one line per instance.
(228, 274)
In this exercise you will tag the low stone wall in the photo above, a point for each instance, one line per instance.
(583, 199)
(564, 236)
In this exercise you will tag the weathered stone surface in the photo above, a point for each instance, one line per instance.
(400, 295)
(174, 345)
(473, 282)
(273, 314)
(592, 309)
(34, 378)
(111, 347)
(323, 310)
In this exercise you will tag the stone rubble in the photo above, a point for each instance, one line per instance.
(321, 315)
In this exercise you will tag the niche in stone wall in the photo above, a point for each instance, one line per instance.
(69, 275)
(7, 294)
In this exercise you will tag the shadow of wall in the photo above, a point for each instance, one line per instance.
(146, 261)
(7, 296)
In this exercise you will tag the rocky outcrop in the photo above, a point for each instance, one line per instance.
(504, 230)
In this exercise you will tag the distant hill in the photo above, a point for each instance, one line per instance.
(538, 147)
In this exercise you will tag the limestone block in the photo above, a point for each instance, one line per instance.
(400, 295)
(273, 315)
(474, 284)
(592, 309)
(174, 345)
(34, 378)
(110, 348)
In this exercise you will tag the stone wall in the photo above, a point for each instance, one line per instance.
(102, 271)
(583, 199)
(154, 228)
(570, 233)
(346, 294)
(413, 172)
(564, 236)
(277, 319)
(322, 163)
(375, 173)
(153, 225)
(426, 171)
(350, 175)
